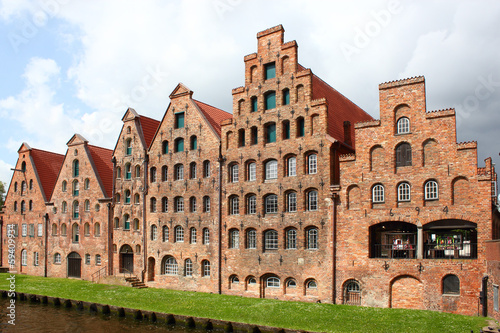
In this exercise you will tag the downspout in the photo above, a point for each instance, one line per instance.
(484, 296)
(1, 240)
(219, 224)
(111, 207)
(336, 181)
(46, 247)
(144, 229)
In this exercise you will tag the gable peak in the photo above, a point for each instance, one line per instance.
(24, 148)
(77, 139)
(181, 90)
(130, 114)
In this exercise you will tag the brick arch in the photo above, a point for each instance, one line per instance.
(353, 197)
(401, 110)
(406, 292)
(430, 152)
(460, 191)
(267, 292)
(377, 157)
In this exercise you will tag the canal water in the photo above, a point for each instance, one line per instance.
(41, 318)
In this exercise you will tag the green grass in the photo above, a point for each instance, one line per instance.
(293, 315)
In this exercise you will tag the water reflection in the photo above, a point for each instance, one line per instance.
(47, 318)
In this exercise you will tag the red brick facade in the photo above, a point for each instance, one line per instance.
(298, 195)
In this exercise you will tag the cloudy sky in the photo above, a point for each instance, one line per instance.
(74, 66)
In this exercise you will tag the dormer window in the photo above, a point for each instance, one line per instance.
(403, 125)
(270, 71)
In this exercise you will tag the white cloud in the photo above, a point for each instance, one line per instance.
(5, 172)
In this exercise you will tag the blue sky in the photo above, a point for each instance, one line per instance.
(72, 66)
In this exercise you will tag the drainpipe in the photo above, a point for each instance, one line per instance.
(46, 247)
(111, 207)
(484, 296)
(144, 229)
(334, 249)
(219, 224)
(1, 235)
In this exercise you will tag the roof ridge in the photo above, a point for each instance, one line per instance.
(47, 151)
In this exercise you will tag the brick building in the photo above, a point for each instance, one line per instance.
(25, 209)
(130, 187)
(79, 212)
(298, 195)
(414, 211)
(280, 156)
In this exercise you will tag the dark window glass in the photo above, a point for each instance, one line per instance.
(403, 155)
(179, 120)
(254, 104)
(270, 101)
(271, 133)
(286, 97)
(270, 70)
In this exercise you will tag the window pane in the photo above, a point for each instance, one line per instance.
(270, 71)
(292, 166)
(271, 240)
(254, 104)
(286, 97)
(251, 239)
(252, 171)
(270, 101)
(271, 204)
(272, 169)
(179, 120)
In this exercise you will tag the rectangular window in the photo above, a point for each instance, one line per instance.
(286, 97)
(234, 173)
(286, 130)
(300, 127)
(24, 230)
(87, 259)
(270, 70)
(40, 230)
(179, 145)
(179, 120)
(255, 138)
(495, 298)
(98, 259)
(271, 133)
(270, 101)
(252, 174)
(252, 204)
(254, 104)
(35, 259)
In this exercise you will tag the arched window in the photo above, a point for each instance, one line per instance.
(378, 195)
(76, 188)
(403, 155)
(251, 239)
(431, 190)
(164, 173)
(76, 210)
(271, 169)
(152, 205)
(272, 282)
(291, 283)
(23, 187)
(164, 147)
(192, 235)
(253, 104)
(64, 207)
(312, 200)
(234, 239)
(117, 197)
(31, 184)
(233, 173)
(137, 171)
(404, 192)
(127, 197)
(63, 186)
(75, 233)
(24, 258)
(30, 205)
(136, 224)
(206, 236)
(451, 284)
(234, 205)
(291, 201)
(188, 267)
(312, 238)
(57, 258)
(171, 267)
(270, 71)
(15, 186)
(76, 168)
(192, 170)
(54, 229)
(205, 268)
(311, 284)
(23, 206)
(63, 229)
(179, 234)
(137, 199)
(118, 173)
(179, 172)
(234, 279)
(271, 240)
(154, 232)
(291, 166)
(178, 204)
(126, 222)
(15, 206)
(291, 238)
(165, 233)
(301, 129)
(352, 293)
(128, 171)
(86, 229)
(252, 171)
(193, 142)
(164, 204)
(312, 164)
(97, 229)
(269, 100)
(179, 145)
(192, 204)
(86, 185)
(23, 166)
(116, 223)
(206, 169)
(86, 205)
(128, 147)
(251, 204)
(271, 204)
(206, 204)
(403, 125)
(152, 175)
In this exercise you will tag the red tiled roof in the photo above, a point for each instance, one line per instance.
(47, 165)
(102, 161)
(149, 127)
(214, 116)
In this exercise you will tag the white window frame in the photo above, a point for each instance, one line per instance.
(404, 192)
(251, 239)
(188, 267)
(234, 173)
(312, 164)
(271, 204)
(234, 205)
(205, 266)
(154, 232)
(192, 237)
(24, 230)
(179, 234)
(378, 194)
(431, 189)
(312, 200)
(291, 239)
(292, 166)
(234, 239)
(206, 236)
(273, 282)
(312, 238)
(272, 170)
(24, 258)
(252, 204)
(35, 259)
(291, 198)
(57, 258)
(171, 267)
(179, 172)
(179, 205)
(252, 172)
(271, 240)
(403, 125)
(206, 204)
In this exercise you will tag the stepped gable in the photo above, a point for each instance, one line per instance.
(47, 165)
(149, 127)
(101, 157)
(340, 108)
(214, 115)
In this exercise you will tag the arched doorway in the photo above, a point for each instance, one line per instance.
(74, 265)
(407, 293)
(151, 269)
(126, 259)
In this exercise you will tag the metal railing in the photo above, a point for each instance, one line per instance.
(457, 251)
(391, 251)
(352, 298)
(102, 272)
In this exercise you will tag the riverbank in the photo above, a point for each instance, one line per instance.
(265, 312)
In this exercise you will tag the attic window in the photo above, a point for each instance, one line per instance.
(76, 152)
(179, 120)
(270, 71)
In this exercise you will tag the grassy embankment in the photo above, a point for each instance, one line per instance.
(293, 315)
